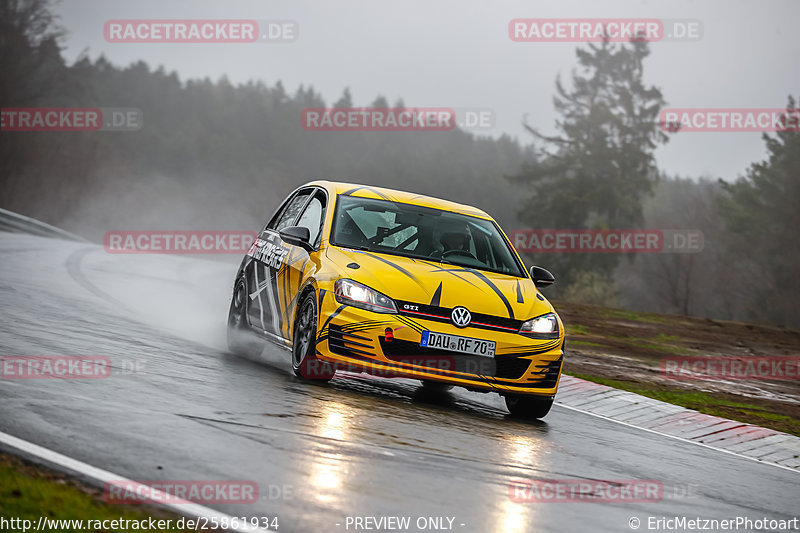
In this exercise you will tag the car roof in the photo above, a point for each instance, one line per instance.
(380, 193)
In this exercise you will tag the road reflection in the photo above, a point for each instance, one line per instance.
(514, 517)
(327, 465)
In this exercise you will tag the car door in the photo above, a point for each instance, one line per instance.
(290, 278)
(267, 304)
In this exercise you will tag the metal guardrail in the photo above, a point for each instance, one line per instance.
(16, 223)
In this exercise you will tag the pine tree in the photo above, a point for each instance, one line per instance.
(761, 212)
(596, 170)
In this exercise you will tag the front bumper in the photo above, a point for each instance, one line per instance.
(356, 340)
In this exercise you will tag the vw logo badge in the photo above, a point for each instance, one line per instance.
(461, 317)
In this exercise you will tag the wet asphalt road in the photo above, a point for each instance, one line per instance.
(179, 407)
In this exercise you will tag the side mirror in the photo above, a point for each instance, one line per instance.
(541, 277)
(297, 236)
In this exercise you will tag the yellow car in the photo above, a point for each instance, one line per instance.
(394, 284)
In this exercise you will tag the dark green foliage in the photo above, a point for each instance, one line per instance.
(600, 165)
(210, 154)
(762, 212)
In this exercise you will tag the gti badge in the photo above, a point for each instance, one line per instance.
(461, 317)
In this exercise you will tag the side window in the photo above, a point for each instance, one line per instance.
(289, 213)
(313, 216)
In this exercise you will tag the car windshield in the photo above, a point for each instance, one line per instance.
(422, 233)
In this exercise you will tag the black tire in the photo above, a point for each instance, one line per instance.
(304, 344)
(528, 407)
(435, 386)
(237, 318)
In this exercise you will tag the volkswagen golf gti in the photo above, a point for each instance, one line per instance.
(394, 284)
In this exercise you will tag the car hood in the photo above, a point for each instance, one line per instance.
(432, 283)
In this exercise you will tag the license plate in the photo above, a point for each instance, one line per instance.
(454, 343)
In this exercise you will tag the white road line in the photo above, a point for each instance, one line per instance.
(796, 471)
(186, 509)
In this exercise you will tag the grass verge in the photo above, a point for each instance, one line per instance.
(28, 492)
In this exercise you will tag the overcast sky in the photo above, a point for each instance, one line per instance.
(459, 54)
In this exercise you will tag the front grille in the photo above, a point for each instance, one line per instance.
(400, 351)
(479, 320)
(442, 314)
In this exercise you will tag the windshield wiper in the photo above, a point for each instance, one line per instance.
(441, 260)
(355, 247)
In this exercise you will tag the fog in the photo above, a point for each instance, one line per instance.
(459, 54)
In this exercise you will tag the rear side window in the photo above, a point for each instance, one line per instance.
(312, 217)
(289, 212)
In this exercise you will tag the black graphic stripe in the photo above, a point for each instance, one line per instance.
(293, 301)
(395, 266)
(331, 316)
(364, 326)
(359, 326)
(537, 351)
(548, 345)
(370, 189)
(276, 295)
(411, 323)
(484, 279)
(494, 287)
(287, 273)
(437, 296)
(451, 271)
(353, 335)
(363, 322)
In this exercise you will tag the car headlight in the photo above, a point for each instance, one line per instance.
(544, 325)
(353, 293)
